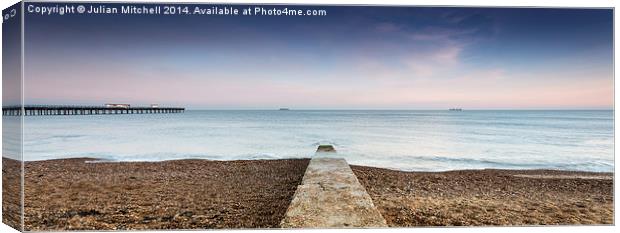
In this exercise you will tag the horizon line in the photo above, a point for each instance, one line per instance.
(399, 109)
(345, 108)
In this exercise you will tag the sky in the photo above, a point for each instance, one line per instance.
(11, 62)
(353, 58)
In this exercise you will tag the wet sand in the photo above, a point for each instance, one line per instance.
(70, 194)
(489, 197)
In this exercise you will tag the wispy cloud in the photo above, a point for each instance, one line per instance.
(387, 27)
(433, 63)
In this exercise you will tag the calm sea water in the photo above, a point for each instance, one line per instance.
(406, 140)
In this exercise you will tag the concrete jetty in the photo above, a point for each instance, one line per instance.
(330, 196)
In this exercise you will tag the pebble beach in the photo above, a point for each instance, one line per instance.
(87, 194)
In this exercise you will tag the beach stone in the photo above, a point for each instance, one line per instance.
(330, 196)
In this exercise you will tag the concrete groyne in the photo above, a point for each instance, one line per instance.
(330, 196)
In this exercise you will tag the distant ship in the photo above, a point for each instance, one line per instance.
(284, 109)
(456, 109)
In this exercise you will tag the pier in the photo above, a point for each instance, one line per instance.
(45, 110)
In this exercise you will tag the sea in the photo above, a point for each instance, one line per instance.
(396, 139)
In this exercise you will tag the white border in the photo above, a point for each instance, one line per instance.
(503, 3)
